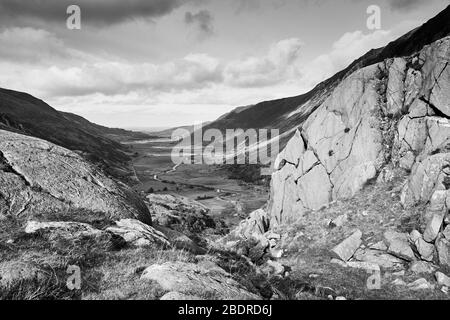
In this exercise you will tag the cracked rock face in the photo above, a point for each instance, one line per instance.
(392, 113)
(37, 176)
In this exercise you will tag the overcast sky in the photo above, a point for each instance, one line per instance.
(162, 63)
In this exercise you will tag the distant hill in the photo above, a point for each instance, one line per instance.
(25, 114)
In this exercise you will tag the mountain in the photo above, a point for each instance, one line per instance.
(289, 113)
(23, 113)
(363, 182)
(386, 117)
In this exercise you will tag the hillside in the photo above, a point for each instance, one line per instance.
(23, 113)
(361, 191)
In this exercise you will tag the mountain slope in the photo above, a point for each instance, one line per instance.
(23, 113)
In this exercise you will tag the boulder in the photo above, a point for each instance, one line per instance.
(346, 249)
(399, 283)
(139, 234)
(421, 267)
(426, 178)
(442, 279)
(273, 268)
(66, 230)
(339, 221)
(398, 245)
(436, 87)
(438, 210)
(204, 281)
(38, 176)
(368, 266)
(421, 284)
(426, 250)
(443, 251)
(446, 233)
(380, 258)
(179, 213)
(396, 87)
(255, 226)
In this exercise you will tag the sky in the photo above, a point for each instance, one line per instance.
(167, 63)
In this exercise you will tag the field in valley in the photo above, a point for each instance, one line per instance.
(229, 199)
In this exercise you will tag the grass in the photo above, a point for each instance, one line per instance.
(108, 269)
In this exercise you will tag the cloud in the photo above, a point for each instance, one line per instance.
(404, 5)
(277, 65)
(242, 6)
(34, 59)
(203, 20)
(35, 46)
(348, 48)
(94, 12)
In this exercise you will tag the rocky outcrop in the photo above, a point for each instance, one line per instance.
(126, 232)
(37, 176)
(203, 280)
(179, 213)
(390, 114)
(138, 234)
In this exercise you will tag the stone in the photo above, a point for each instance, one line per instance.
(176, 296)
(198, 280)
(414, 236)
(348, 247)
(433, 227)
(402, 250)
(382, 259)
(273, 267)
(399, 283)
(381, 246)
(64, 230)
(446, 233)
(314, 188)
(341, 299)
(294, 150)
(438, 137)
(39, 176)
(425, 249)
(443, 251)
(139, 234)
(180, 213)
(398, 245)
(396, 87)
(420, 284)
(442, 279)
(255, 226)
(426, 178)
(364, 265)
(339, 221)
(421, 267)
(399, 273)
(437, 82)
(339, 262)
